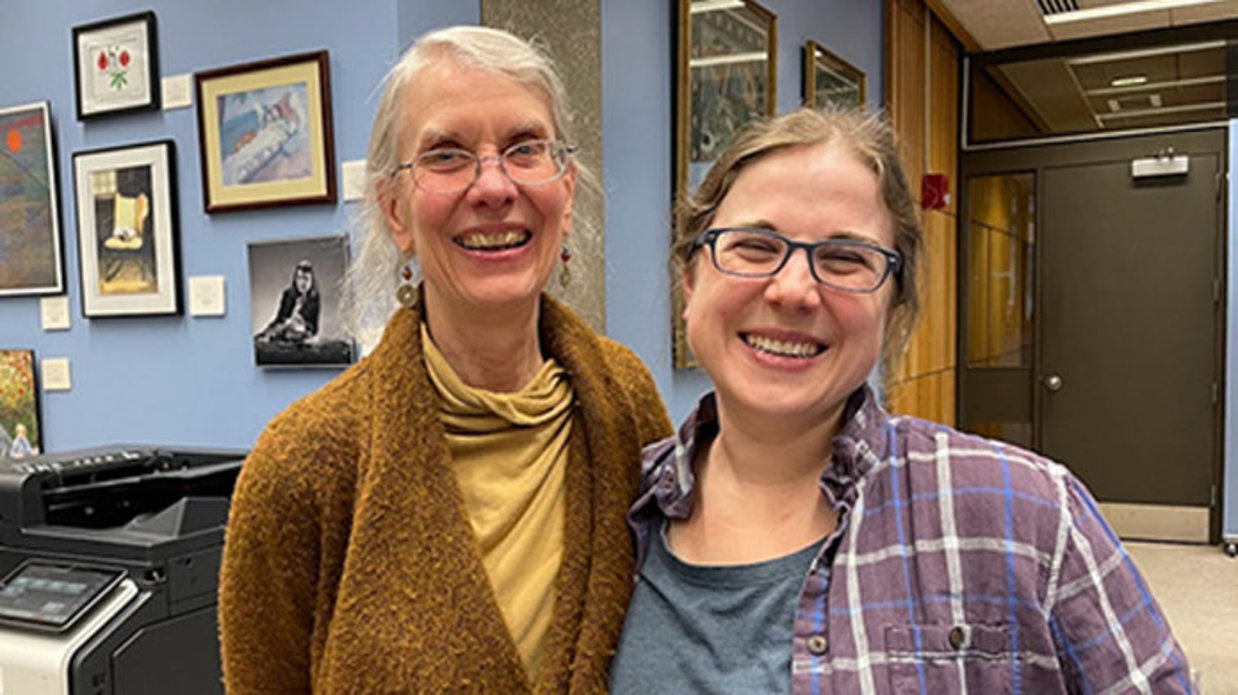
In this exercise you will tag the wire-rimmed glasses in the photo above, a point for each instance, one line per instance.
(453, 169)
(849, 265)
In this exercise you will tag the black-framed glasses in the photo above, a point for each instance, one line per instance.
(843, 264)
(452, 169)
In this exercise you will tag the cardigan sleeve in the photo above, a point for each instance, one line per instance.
(270, 568)
(652, 421)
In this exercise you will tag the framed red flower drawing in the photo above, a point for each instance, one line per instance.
(116, 66)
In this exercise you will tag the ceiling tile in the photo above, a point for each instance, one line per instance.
(1000, 23)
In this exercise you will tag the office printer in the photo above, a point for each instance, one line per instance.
(110, 562)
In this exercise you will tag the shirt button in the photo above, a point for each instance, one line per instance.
(956, 637)
(817, 644)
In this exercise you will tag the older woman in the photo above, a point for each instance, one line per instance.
(448, 514)
(796, 538)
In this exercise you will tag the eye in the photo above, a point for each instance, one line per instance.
(846, 259)
(444, 159)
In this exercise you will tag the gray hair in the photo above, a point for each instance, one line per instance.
(373, 276)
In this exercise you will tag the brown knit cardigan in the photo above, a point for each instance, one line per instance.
(350, 565)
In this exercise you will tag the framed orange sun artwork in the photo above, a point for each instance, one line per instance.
(31, 259)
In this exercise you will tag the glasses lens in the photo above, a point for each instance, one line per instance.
(444, 170)
(850, 266)
(748, 252)
(535, 161)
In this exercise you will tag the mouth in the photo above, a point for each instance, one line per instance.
(496, 241)
(796, 349)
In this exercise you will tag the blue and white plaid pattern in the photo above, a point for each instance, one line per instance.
(959, 565)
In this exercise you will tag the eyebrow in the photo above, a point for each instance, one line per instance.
(533, 128)
(837, 234)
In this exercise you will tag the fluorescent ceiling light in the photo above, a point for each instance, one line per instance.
(1128, 81)
(1145, 53)
(1118, 10)
(1166, 84)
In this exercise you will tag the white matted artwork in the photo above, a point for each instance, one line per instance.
(294, 293)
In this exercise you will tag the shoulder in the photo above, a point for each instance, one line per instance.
(316, 439)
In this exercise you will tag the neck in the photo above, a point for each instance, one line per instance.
(758, 493)
(495, 350)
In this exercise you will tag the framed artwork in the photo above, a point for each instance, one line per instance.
(30, 254)
(127, 230)
(830, 80)
(726, 79)
(294, 299)
(265, 133)
(21, 435)
(116, 66)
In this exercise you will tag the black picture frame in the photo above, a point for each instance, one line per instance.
(128, 252)
(119, 58)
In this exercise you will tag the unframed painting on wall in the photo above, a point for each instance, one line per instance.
(20, 432)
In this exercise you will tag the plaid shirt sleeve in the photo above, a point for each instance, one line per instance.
(1110, 634)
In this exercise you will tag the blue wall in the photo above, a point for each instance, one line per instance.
(191, 380)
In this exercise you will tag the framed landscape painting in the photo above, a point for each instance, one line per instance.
(30, 254)
(265, 133)
(830, 80)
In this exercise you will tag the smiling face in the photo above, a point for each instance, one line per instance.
(786, 346)
(303, 279)
(494, 244)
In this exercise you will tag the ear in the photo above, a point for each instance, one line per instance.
(397, 223)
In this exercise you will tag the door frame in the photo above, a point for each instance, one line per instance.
(1035, 159)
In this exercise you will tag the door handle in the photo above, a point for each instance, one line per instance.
(1053, 382)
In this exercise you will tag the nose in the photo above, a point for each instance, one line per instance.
(794, 287)
(492, 188)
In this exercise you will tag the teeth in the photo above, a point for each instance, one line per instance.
(494, 241)
(782, 347)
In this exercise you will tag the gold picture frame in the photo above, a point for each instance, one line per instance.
(727, 78)
(830, 80)
(264, 130)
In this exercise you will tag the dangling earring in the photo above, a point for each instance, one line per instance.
(565, 273)
(406, 292)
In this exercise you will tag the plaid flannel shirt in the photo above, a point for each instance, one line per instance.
(959, 565)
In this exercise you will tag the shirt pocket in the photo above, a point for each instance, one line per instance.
(940, 658)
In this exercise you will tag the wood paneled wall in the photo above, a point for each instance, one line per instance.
(924, 109)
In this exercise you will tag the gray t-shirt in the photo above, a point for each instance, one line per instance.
(709, 629)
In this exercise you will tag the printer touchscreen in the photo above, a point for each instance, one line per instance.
(46, 596)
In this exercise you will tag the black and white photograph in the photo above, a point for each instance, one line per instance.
(294, 302)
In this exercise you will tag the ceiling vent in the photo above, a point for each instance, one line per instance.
(1052, 7)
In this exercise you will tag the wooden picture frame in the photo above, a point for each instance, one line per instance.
(265, 133)
(19, 406)
(116, 66)
(31, 256)
(127, 230)
(830, 80)
(727, 59)
(297, 325)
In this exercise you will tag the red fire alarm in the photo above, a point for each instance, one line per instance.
(934, 191)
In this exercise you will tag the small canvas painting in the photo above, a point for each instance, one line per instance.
(20, 433)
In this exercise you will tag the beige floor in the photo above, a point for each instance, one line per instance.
(1197, 586)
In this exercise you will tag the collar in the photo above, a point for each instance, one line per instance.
(669, 480)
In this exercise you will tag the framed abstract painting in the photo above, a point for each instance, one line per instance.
(30, 253)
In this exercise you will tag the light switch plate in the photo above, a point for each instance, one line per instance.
(54, 313)
(55, 373)
(206, 295)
